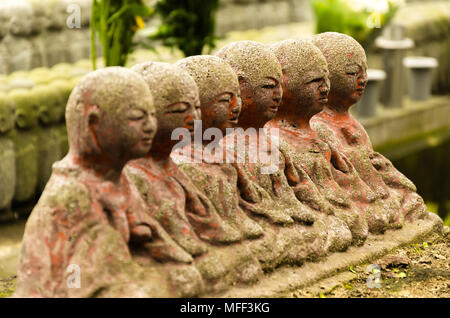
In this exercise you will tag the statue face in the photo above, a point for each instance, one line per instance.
(313, 90)
(44, 113)
(223, 111)
(127, 133)
(261, 97)
(349, 82)
(26, 113)
(6, 117)
(176, 115)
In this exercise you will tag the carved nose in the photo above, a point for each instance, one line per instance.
(278, 93)
(150, 125)
(197, 115)
(236, 109)
(324, 90)
(363, 81)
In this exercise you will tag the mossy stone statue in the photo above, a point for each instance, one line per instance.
(7, 158)
(305, 88)
(220, 106)
(87, 213)
(259, 74)
(48, 132)
(16, 41)
(171, 196)
(348, 74)
(222, 182)
(38, 25)
(26, 145)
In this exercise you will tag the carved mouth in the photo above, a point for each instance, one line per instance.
(273, 108)
(147, 140)
(323, 100)
(233, 120)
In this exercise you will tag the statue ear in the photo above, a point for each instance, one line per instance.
(93, 115)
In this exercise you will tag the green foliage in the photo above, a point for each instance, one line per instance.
(116, 22)
(362, 24)
(187, 24)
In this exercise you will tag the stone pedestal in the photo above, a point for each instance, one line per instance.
(393, 45)
(420, 69)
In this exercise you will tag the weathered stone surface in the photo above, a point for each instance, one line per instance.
(336, 126)
(170, 195)
(220, 105)
(305, 93)
(88, 214)
(259, 75)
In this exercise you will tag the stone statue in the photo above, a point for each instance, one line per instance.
(306, 86)
(26, 146)
(335, 125)
(79, 232)
(261, 163)
(171, 197)
(7, 158)
(48, 132)
(220, 107)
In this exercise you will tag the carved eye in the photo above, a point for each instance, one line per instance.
(177, 108)
(269, 86)
(352, 73)
(224, 98)
(316, 80)
(136, 114)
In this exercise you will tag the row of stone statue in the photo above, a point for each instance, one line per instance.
(32, 137)
(99, 209)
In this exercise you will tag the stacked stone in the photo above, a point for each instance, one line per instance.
(35, 33)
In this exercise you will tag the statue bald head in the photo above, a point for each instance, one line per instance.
(110, 113)
(218, 88)
(347, 64)
(259, 74)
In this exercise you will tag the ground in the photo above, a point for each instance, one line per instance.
(414, 271)
(7, 286)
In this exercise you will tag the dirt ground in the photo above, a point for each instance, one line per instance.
(414, 271)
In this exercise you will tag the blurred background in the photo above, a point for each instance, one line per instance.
(47, 45)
